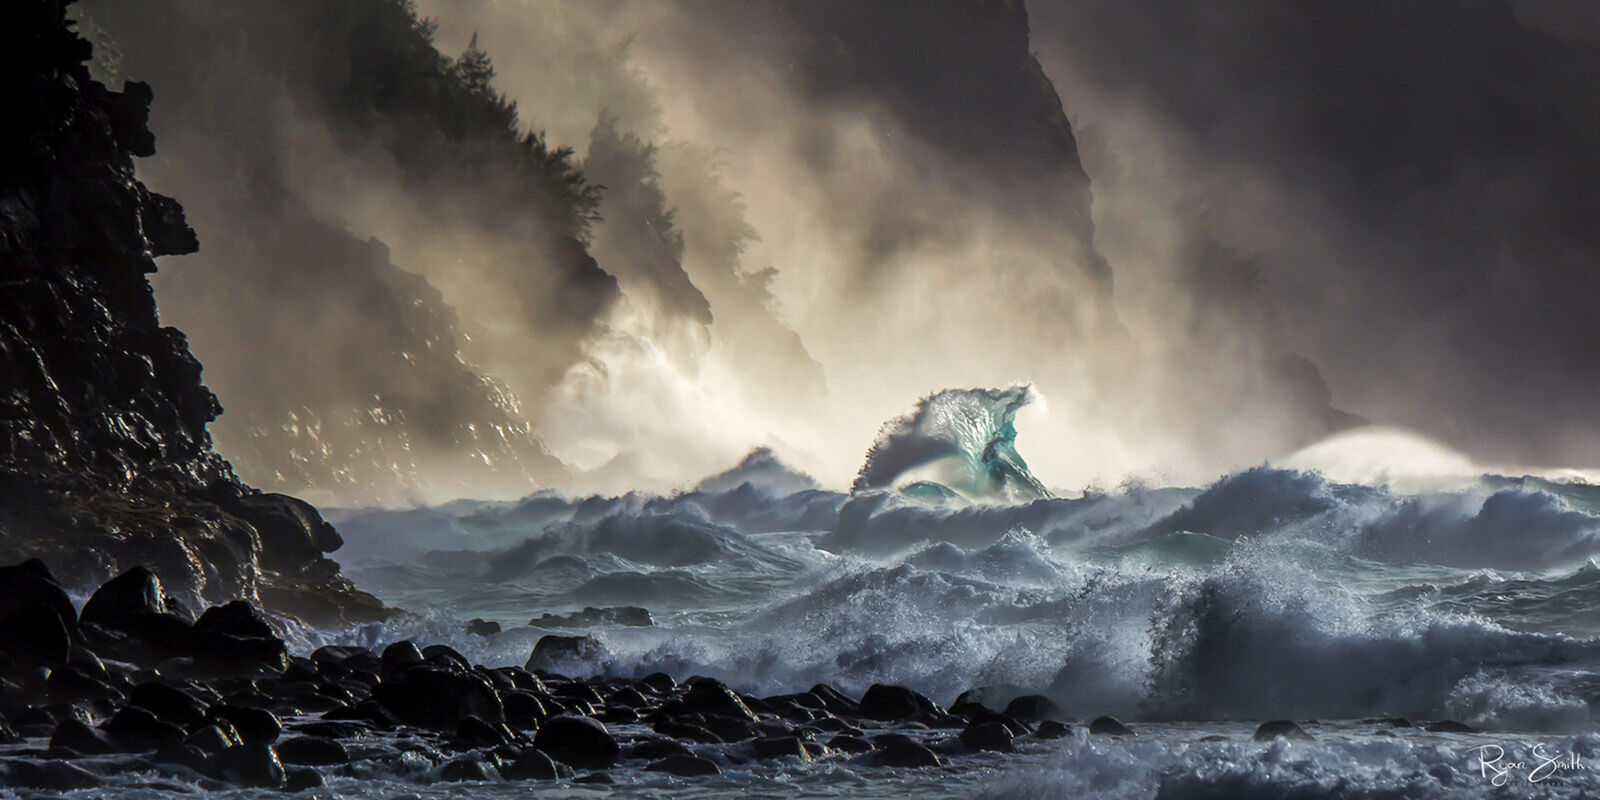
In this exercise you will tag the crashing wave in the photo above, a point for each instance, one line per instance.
(957, 443)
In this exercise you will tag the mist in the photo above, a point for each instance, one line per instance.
(495, 246)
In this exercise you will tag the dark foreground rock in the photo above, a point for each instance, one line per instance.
(105, 462)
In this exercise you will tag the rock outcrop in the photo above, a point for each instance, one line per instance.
(105, 461)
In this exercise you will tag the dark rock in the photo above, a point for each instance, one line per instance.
(1449, 726)
(1280, 729)
(71, 685)
(302, 779)
(578, 742)
(438, 697)
(847, 743)
(1032, 707)
(134, 728)
(312, 751)
(35, 634)
(687, 731)
(592, 617)
(906, 754)
(474, 732)
(168, 703)
(729, 729)
(685, 766)
(123, 599)
(889, 703)
(712, 697)
(250, 764)
(657, 748)
(399, 655)
(987, 736)
(564, 654)
(483, 627)
(1050, 729)
(780, 747)
(237, 618)
(78, 737)
(523, 708)
(445, 655)
(253, 724)
(213, 739)
(182, 754)
(467, 768)
(31, 581)
(658, 683)
(1110, 726)
(51, 775)
(531, 764)
(833, 700)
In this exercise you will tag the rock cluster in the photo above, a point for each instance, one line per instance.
(133, 681)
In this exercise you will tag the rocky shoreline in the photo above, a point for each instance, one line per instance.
(134, 683)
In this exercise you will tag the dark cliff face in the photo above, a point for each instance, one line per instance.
(299, 133)
(104, 457)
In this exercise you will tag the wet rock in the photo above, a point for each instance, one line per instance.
(1110, 726)
(657, 748)
(439, 697)
(71, 685)
(906, 754)
(729, 729)
(483, 627)
(29, 582)
(182, 754)
(780, 747)
(833, 700)
(591, 617)
(253, 724)
(213, 739)
(445, 655)
(890, 703)
(35, 634)
(302, 779)
(474, 732)
(237, 618)
(685, 766)
(168, 703)
(313, 751)
(1032, 707)
(578, 742)
(398, 656)
(78, 737)
(658, 683)
(523, 708)
(687, 731)
(531, 764)
(250, 764)
(50, 775)
(1449, 726)
(1280, 729)
(468, 768)
(564, 654)
(1050, 729)
(992, 736)
(122, 600)
(134, 728)
(712, 697)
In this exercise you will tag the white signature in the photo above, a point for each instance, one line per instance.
(1541, 764)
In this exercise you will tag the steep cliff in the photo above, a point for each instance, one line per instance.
(105, 462)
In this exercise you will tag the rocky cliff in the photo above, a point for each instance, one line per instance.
(105, 461)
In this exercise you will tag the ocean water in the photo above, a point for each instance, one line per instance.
(1192, 613)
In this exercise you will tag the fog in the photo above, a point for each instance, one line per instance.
(783, 223)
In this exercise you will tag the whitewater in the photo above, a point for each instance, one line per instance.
(1367, 613)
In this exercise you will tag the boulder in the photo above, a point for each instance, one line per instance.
(135, 593)
(430, 695)
(483, 627)
(1032, 708)
(712, 697)
(531, 764)
(565, 655)
(1109, 726)
(1280, 729)
(890, 703)
(312, 751)
(578, 742)
(992, 736)
(686, 766)
(168, 703)
(251, 764)
(253, 724)
(906, 754)
(780, 747)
